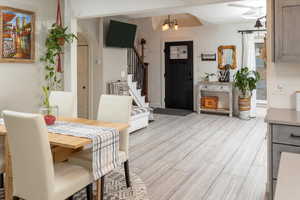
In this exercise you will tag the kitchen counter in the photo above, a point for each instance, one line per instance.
(283, 116)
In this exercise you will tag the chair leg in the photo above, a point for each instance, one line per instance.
(89, 191)
(1, 180)
(127, 174)
(102, 187)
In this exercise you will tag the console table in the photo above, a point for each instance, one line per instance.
(216, 89)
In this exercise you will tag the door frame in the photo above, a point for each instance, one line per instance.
(195, 69)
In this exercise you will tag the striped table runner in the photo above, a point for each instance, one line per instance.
(105, 144)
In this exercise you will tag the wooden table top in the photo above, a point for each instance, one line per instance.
(73, 142)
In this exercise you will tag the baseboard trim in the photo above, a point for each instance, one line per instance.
(155, 105)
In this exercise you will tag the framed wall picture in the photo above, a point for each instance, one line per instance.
(17, 35)
(208, 57)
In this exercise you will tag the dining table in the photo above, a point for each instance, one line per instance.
(62, 146)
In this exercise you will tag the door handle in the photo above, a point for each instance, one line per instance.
(295, 135)
(84, 87)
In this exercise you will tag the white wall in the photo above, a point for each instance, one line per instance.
(20, 84)
(206, 39)
(114, 59)
(283, 78)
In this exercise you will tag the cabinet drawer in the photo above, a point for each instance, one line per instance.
(286, 134)
(277, 149)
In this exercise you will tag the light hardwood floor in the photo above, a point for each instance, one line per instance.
(204, 156)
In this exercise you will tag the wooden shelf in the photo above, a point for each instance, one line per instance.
(219, 110)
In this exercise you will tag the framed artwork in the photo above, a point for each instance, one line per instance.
(208, 57)
(227, 57)
(17, 35)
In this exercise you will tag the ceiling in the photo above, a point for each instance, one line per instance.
(218, 13)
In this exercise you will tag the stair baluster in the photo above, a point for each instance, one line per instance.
(139, 70)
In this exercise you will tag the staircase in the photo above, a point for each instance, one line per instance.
(136, 93)
(138, 78)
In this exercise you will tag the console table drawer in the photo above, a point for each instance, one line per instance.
(286, 134)
(215, 87)
(277, 150)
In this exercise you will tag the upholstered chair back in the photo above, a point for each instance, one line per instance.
(65, 102)
(32, 164)
(116, 109)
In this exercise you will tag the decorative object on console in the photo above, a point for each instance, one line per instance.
(224, 74)
(227, 56)
(17, 35)
(245, 80)
(208, 57)
(210, 102)
(207, 76)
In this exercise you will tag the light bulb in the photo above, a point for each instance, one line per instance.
(165, 27)
(176, 27)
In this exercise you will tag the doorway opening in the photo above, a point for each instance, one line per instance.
(179, 75)
(83, 77)
(261, 68)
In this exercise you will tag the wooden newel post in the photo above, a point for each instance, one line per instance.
(145, 89)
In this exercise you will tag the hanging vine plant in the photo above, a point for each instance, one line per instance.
(57, 37)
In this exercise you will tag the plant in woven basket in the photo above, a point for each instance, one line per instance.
(245, 80)
(54, 44)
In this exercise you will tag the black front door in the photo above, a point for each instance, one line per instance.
(179, 75)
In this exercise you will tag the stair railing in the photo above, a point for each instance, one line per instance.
(139, 70)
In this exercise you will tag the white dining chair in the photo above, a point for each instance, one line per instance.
(65, 102)
(115, 109)
(35, 177)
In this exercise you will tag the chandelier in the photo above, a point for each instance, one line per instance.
(170, 24)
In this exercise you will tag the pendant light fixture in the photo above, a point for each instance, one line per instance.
(170, 24)
(258, 23)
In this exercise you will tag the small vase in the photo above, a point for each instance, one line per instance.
(50, 114)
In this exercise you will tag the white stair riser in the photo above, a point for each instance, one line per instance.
(129, 78)
(136, 93)
(139, 91)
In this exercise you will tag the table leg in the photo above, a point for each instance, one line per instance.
(8, 182)
(98, 189)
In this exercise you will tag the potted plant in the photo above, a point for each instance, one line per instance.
(55, 41)
(245, 80)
